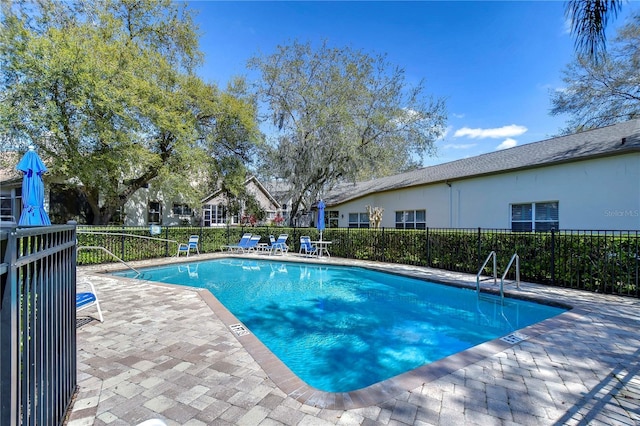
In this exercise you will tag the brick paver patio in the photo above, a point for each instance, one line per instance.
(167, 352)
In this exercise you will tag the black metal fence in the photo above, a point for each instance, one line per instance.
(599, 261)
(37, 324)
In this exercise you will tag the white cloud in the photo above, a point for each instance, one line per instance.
(459, 146)
(454, 115)
(498, 132)
(507, 143)
(407, 115)
(411, 113)
(445, 132)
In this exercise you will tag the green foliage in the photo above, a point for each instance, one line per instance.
(589, 20)
(107, 92)
(605, 263)
(605, 92)
(341, 115)
(253, 209)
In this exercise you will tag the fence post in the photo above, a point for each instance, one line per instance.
(637, 251)
(384, 258)
(122, 244)
(479, 248)
(201, 238)
(428, 248)
(553, 257)
(166, 242)
(9, 330)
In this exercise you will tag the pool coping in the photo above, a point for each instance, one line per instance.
(289, 383)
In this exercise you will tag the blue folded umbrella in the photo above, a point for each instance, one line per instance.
(320, 225)
(33, 213)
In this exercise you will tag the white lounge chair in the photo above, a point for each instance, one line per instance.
(86, 299)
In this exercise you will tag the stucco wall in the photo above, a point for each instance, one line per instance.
(594, 194)
(136, 208)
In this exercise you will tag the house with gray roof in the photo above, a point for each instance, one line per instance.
(588, 180)
(214, 206)
(147, 206)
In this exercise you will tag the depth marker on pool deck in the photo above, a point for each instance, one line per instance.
(514, 338)
(239, 329)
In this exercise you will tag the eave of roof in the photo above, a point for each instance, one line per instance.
(258, 184)
(603, 142)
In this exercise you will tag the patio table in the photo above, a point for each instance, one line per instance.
(323, 247)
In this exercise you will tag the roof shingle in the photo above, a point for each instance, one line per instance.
(604, 141)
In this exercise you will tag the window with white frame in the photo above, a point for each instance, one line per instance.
(154, 213)
(218, 214)
(358, 220)
(213, 214)
(181, 209)
(528, 217)
(411, 219)
(331, 219)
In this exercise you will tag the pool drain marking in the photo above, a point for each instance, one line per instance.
(514, 338)
(239, 329)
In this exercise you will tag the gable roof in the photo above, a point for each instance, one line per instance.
(605, 141)
(253, 179)
(8, 172)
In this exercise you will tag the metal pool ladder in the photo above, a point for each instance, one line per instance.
(495, 271)
(492, 255)
(517, 260)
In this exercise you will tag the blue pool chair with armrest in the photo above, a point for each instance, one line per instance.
(306, 246)
(280, 244)
(191, 245)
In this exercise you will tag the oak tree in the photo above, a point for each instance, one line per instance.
(602, 93)
(108, 93)
(339, 114)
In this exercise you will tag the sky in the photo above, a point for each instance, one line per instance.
(496, 64)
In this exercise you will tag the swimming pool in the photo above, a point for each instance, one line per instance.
(343, 328)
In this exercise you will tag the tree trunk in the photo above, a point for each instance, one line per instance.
(295, 206)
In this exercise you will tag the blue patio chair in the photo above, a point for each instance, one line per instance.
(279, 244)
(306, 246)
(86, 299)
(267, 247)
(252, 245)
(241, 244)
(191, 245)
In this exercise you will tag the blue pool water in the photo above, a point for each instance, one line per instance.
(343, 328)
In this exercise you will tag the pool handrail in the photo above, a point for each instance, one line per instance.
(109, 252)
(495, 271)
(517, 260)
